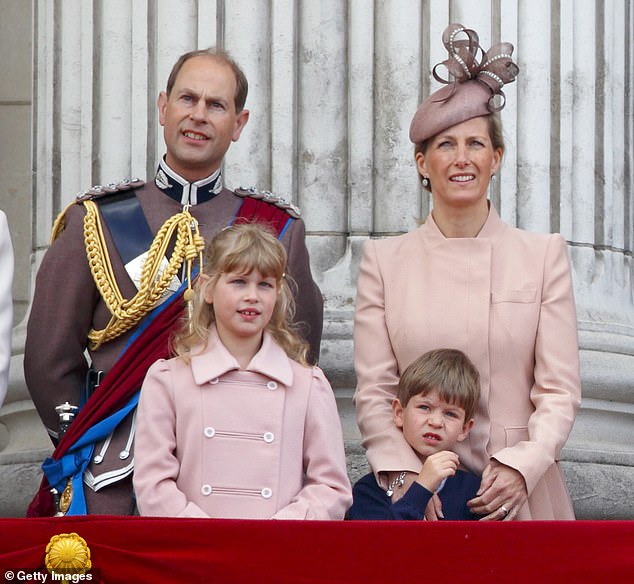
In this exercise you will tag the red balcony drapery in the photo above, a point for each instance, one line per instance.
(137, 549)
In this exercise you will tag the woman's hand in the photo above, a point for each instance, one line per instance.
(501, 495)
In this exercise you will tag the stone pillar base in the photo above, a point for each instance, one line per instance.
(20, 477)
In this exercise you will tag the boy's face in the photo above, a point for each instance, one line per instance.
(430, 424)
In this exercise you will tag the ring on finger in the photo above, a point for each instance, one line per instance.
(505, 510)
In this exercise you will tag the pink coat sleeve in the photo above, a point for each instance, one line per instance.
(326, 493)
(155, 464)
(377, 374)
(556, 391)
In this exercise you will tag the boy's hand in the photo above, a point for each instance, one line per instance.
(433, 511)
(438, 467)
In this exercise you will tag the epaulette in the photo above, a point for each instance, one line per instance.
(269, 197)
(94, 193)
(99, 191)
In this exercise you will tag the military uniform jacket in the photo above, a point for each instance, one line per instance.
(66, 305)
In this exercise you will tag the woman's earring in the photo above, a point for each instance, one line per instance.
(493, 179)
(425, 181)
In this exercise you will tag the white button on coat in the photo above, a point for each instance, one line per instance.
(209, 432)
(268, 437)
(206, 490)
(266, 493)
(271, 385)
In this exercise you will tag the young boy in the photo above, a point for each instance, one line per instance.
(436, 400)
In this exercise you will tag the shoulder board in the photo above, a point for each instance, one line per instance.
(98, 191)
(95, 192)
(269, 197)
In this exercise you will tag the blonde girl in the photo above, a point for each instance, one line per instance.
(237, 424)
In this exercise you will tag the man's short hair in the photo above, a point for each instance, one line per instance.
(448, 371)
(242, 86)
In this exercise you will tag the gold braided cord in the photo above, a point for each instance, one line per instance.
(126, 313)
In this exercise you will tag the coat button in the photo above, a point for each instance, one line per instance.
(266, 493)
(271, 385)
(209, 432)
(268, 437)
(214, 381)
(206, 490)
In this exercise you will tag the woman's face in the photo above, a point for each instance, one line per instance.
(459, 163)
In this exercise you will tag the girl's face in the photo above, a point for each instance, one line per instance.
(243, 304)
(459, 163)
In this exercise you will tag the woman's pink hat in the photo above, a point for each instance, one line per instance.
(476, 88)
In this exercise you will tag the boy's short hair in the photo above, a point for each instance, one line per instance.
(447, 370)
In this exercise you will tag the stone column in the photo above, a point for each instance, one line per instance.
(597, 215)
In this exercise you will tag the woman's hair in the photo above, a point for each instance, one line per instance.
(495, 134)
(448, 371)
(243, 248)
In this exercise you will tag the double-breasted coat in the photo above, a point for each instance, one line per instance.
(214, 440)
(505, 299)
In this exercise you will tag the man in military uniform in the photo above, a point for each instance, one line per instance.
(202, 112)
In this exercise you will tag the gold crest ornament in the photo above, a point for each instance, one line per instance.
(66, 553)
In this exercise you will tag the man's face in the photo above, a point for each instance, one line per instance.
(199, 117)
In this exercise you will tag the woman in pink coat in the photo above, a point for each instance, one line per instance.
(238, 425)
(465, 280)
